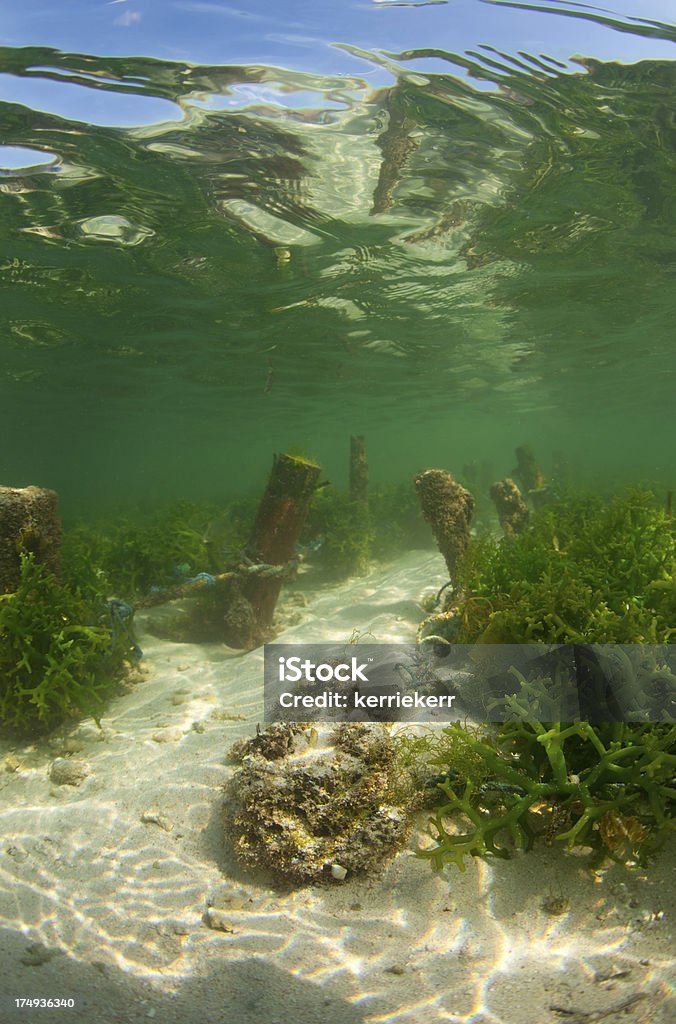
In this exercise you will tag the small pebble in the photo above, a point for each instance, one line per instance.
(217, 920)
(73, 746)
(155, 818)
(65, 772)
(338, 872)
(167, 735)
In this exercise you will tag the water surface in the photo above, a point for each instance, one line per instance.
(448, 227)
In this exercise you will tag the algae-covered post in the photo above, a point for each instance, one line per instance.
(29, 523)
(359, 472)
(511, 508)
(530, 476)
(527, 471)
(279, 521)
(448, 508)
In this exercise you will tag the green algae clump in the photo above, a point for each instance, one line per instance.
(586, 572)
(135, 555)
(608, 788)
(56, 659)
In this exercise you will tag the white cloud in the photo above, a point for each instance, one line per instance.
(127, 19)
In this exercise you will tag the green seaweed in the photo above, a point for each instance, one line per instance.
(588, 571)
(398, 521)
(58, 658)
(345, 529)
(352, 533)
(130, 556)
(607, 787)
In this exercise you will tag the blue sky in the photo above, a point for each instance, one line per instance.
(296, 34)
(301, 31)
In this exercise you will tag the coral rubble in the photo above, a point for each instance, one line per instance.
(322, 816)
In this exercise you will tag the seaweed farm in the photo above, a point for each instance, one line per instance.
(337, 538)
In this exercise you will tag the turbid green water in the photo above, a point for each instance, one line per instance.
(450, 253)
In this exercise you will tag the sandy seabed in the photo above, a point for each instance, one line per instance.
(105, 886)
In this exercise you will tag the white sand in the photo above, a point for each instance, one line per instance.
(99, 906)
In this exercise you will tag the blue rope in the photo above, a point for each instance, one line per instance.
(120, 615)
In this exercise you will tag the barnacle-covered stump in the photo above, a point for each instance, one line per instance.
(28, 523)
(510, 506)
(448, 508)
(317, 817)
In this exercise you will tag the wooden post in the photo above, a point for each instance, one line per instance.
(280, 519)
(448, 508)
(28, 523)
(359, 472)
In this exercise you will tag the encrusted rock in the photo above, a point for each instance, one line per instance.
(372, 746)
(279, 740)
(66, 772)
(298, 819)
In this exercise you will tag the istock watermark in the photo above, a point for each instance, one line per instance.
(295, 669)
(483, 682)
